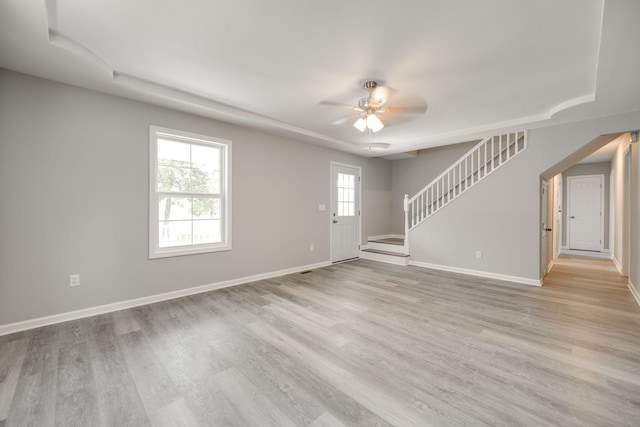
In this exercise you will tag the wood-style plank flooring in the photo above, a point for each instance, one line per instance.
(360, 343)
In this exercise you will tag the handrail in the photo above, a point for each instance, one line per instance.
(450, 168)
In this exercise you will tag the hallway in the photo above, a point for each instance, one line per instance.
(591, 282)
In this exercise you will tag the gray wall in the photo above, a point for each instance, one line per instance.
(408, 176)
(74, 199)
(632, 234)
(603, 168)
(501, 215)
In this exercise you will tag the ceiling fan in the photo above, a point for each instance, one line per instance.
(371, 109)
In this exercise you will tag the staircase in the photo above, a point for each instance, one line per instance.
(482, 160)
(389, 249)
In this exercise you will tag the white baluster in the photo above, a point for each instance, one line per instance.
(493, 156)
(484, 161)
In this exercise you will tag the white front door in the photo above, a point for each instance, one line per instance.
(586, 205)
(345, 212)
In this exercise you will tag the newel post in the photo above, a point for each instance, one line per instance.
(406, 224)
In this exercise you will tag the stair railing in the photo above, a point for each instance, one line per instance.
(478, 163)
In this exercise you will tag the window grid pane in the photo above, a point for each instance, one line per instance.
(346, 195)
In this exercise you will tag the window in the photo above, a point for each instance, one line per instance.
(190, 193)
(346, 195)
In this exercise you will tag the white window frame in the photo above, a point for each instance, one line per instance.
(155, 251)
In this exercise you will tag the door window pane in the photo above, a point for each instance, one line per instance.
(346, 194)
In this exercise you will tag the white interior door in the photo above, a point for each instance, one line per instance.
(585, 212)
(544, 214)
(345, 212)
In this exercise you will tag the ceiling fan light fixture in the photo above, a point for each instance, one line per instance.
(360, 124)
(374, 123)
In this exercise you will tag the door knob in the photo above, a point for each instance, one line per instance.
(335, 221)
(547, 229)
(573, 217)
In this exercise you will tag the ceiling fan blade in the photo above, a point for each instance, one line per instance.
(408, 105)
(340, 121)
(416, 109)
(345, 119)
(336, 104)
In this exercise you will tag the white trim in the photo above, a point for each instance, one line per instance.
(485, 274)
(11, 328)
(550, 266)
(589, 254)
(634, 292)
(617, 264)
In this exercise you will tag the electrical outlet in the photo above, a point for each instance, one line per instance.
(478, 254)
(311, 248)
(74, 280)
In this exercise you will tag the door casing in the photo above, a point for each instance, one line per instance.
(570, 207)
(332, 187)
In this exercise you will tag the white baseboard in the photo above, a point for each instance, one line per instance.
(634, 292)
(108, 308)
(551, 264)
(477, 273)
(589, 254)
(617, 264)
(386, 236)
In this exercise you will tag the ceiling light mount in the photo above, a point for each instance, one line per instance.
(370, 86)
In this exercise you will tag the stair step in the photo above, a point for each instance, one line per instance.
(389, 257)
(389, 241)
(378, 251)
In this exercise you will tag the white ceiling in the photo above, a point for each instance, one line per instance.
(480, 65)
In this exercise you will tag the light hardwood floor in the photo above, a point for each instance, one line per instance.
(359, 343)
